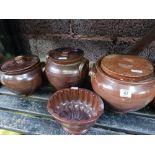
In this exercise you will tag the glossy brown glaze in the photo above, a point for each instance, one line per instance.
(22, 79)
(66, 67)
(127, 67)
(122, 96)
(76, 109)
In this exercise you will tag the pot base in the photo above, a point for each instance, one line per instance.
(75, 132)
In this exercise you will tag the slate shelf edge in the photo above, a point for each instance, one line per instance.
(41, 115)
(131, 132)
(100, 125)
(49, 117)
(21, 132)
(5, 91)
(92, 129)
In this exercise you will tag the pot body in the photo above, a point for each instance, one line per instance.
(66, 75)
(23, 83)
(122, 96)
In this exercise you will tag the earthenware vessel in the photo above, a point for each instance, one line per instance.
(124, 93)
(22, 74)
(127, 67)
(66, 67)
(76, 109)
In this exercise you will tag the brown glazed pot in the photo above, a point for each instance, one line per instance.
(127, 67)
(22, 74)
(66, 67)
(76, 109)
(122, 96)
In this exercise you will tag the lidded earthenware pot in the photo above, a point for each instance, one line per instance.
(66, 67)
(127, 67)
(21, 74)
(126, 82)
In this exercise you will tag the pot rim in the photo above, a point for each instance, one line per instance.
(106, 63)
(66, 62)
(21, 71)
(102, 73)
(75, 122)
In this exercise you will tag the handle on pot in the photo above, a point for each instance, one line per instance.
(1, 77)
(19, 59)
(92, 71)
(42, 66)
(84, 63)
(47, 56)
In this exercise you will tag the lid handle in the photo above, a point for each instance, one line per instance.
(19, 59)
(64, 55)
(93, 71)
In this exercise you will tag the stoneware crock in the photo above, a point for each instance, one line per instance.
(21, 74)
(124, 94)
(66, 67)
(127, 67)
(76, 109)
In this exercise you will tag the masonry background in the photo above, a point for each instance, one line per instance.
(95, 37)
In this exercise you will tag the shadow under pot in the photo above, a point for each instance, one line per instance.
(66, 67)
(21, 74)
(127, 83)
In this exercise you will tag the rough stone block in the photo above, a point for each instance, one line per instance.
(93, 49)
(43, 26)
(113, 27)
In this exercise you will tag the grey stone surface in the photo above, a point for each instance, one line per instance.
(40, 36)
(93, 49)
(24, 104)
(149, 53)
(43, 26)
(113, 27)
(129, 123)
(42, 93)
(140, 122)
(34, 125)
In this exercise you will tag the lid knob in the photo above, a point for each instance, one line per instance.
(64, 55)
(19, 59)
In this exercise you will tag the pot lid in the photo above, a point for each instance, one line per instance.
(65, 55)
(19, 64)
(127, 67)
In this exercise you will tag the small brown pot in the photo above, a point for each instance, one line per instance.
(76, 109)
(22, 74)
(122, 96)
(66, 67)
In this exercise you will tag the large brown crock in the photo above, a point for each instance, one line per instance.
(66, 67)
(21, 74)
(122, 96)
(127, 67)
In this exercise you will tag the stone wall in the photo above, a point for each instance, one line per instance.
(95, 37)
(6, 47)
